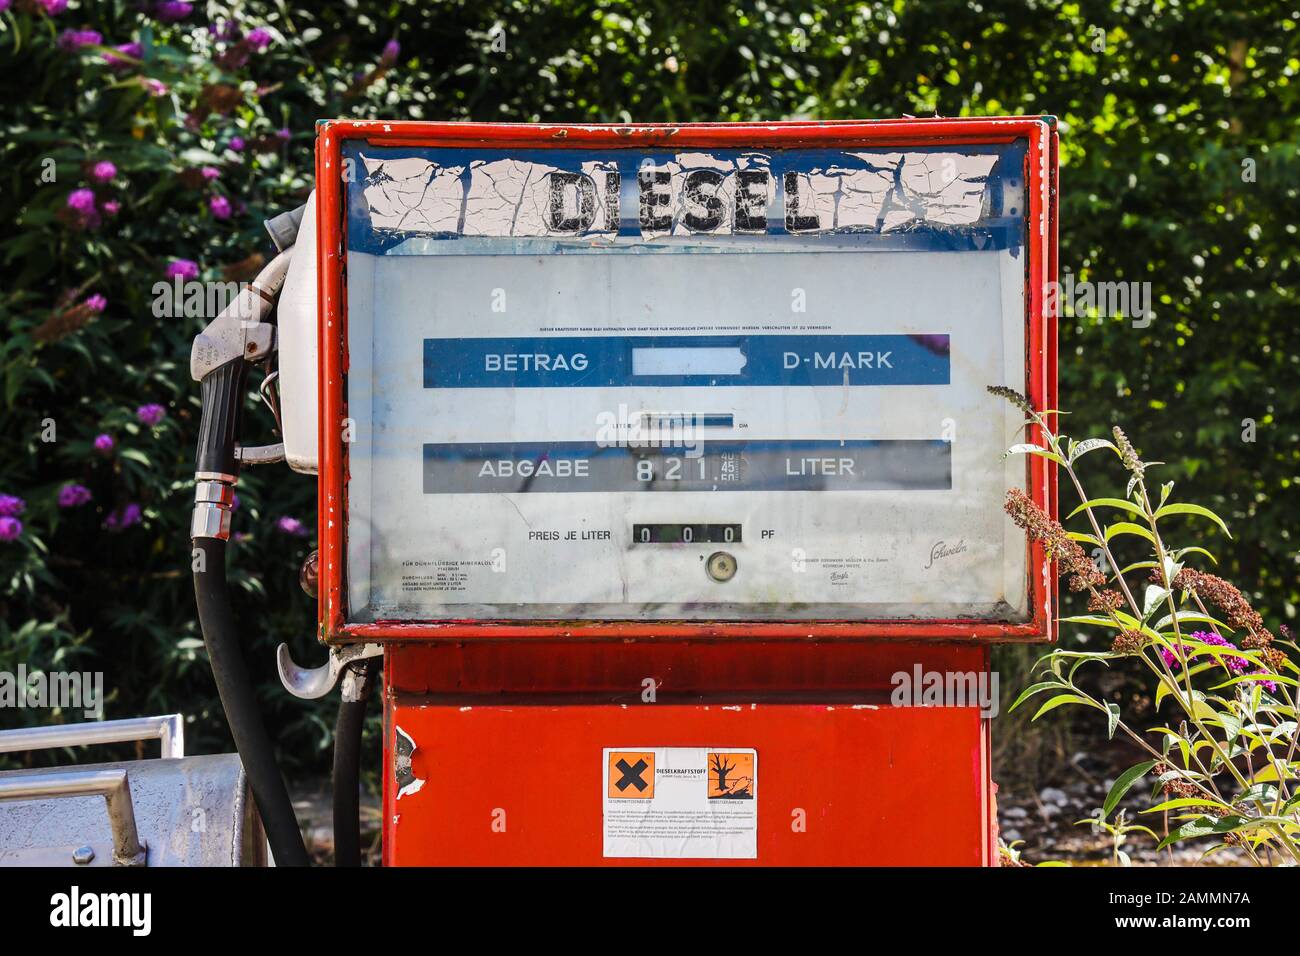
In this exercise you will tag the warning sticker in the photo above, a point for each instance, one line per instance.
(684, 802)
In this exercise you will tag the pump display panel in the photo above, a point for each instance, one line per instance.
(673, 381)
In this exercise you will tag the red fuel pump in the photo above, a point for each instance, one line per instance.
(659, 465)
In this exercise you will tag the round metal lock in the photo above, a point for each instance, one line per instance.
(309, 576)
(721, 566)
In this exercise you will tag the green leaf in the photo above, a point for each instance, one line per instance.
(200, 157)
(1192, 617)
(1123, 784)
(1031, 690)
(1108, 503)
(1059, 701)
(1154, 597)
(1200, 828)
(1128, 527)
(1138, 565)
(1096, 619)
(1186, 509)
(1090, 444)
(1035, 450)
(1085, 538)
(1246, 678)
(1112, 719)
(1182, 802)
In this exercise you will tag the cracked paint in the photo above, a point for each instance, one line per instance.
(686, 194)
(502, 197)
(403, 750)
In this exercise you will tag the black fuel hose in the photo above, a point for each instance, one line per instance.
(347, 761)
(223, 396)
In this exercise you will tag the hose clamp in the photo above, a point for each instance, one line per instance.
(213, 503)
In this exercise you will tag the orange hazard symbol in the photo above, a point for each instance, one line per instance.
(731, 776)
(631, 775)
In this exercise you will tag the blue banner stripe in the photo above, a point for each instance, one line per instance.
(623, 361)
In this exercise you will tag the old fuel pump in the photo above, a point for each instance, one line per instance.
(658, 464)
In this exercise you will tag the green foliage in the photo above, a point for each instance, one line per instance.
(1226, 761)
(1155, 126)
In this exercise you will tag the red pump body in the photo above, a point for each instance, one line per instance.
(501, 736)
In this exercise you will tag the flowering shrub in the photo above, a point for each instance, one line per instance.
(144, 142)
(1223, 762)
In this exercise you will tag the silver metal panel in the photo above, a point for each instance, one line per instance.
(192, 811)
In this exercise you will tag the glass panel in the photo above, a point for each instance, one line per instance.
(577, 376)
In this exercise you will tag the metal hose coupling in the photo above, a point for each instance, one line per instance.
(214, 501)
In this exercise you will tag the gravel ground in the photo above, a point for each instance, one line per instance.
(1045, 821)
(313, 803)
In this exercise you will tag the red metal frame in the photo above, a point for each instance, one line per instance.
(1040, 177)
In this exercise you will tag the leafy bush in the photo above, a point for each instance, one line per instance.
(140, 146)
(1225, 762)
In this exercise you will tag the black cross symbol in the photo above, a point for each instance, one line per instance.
(631, 775)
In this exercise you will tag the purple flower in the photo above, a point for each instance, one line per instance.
(150, 414)
(112, 207)
(82, 201)
(72, 40)
(104, 444)
(5, 5)
(12, 506)
(172, 11)
(54, 7)
(103, 171)
(155, 87)
(283, 134)
(210, 173)
(73, 496)
(220, 207)
(259, 39)
(96, 303)
(1181, 652)
(291, 526)
(391, 50)
(10, 528)
(186, 269)
(119, 519)
(132, 50)
(237, 144)
(82, 204)
(1268, 685)
(226, 30)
